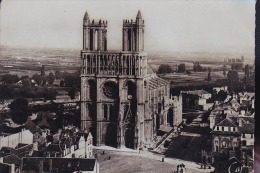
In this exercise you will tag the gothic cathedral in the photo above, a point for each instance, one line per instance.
(123, 103)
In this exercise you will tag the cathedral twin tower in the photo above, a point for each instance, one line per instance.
(95, 34)
(112, 84)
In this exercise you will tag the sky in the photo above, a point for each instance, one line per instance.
(170, 26)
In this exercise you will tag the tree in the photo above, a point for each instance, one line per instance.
(62, 83)
(42, 71)
(51, 78)
(237, 66)
(57, 74)
(224, 70)
(19, 110)
(43, 81)
(233, 80)
(10, 79)
(72, 92)
(26, 83)
(188, 72)
(6, 91)
(49, 93)
(70, 79)
(164, 68)
(197, 67)
(247, 70)
(181, 68)
(76, 80)
(37, 78)
(24, 77)
(222, 95)
(209, 74)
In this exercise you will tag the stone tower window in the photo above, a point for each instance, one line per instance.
(110, 90)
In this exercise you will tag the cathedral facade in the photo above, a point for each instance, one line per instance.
(123, 103)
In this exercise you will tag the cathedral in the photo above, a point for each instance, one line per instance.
(123, 102)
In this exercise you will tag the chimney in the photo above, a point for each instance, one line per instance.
(44, 134)
(242, 112)
(35, 146)
(240, 122)
(40, 166)
(12, 168)
(50, 165)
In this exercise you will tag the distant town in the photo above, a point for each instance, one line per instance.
(124, 111)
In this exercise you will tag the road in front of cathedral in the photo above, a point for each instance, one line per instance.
(132, 161)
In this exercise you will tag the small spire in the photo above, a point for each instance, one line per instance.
(86, 17)
(139, 16)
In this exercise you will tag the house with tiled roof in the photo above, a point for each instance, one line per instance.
(12, 156)
(59, 165)
(71, 142)
(54, 150)
(25, 136)
(220, 112)
(247, 99)
(234, 136)
(44, 124)
(225, 137)
(234, 104)
(7, 168)
(88, 144)
(11, 159)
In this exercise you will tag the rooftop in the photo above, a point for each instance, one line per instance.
(156, 82)
(226, 123)
(196, 92)
(247, 128)
(64, 165)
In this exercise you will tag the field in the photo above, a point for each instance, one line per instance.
(197, 78)
(28, 61)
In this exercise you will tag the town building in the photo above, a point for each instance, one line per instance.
(225, 137)
(70, 142)
(221, 88)
(59, 165)
(196, 99)
(7, 168)
(232, 133)
(247, 99)
(25, 137)
(121, 98)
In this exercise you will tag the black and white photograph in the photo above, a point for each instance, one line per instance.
(127, 86)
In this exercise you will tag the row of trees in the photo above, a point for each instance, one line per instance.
(20, 111)
(181, 68)
(9, 92)
(69, 79)
(235, 84)
(165, 68)
(9, 79)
